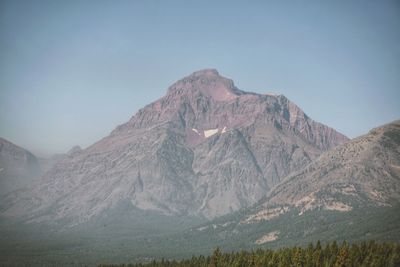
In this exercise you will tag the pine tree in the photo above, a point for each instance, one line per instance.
(318, 245)
(342, 258)
(215, 258)
(298, 258)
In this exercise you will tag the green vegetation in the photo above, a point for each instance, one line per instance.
(357, 254)
(141, 237)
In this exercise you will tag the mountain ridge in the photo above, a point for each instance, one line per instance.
(362, 171)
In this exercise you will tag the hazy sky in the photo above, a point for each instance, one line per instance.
(70, 71)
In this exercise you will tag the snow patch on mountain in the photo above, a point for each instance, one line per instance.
(196, 131)
(208, 133)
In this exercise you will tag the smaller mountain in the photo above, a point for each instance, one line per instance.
(360, 173)
(18, 167)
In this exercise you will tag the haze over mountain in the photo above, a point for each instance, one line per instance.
(18, 167)
(205, 149)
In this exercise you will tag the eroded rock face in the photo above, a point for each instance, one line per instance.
(364, 171)
(205, 148)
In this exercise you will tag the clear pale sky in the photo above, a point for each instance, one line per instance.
(71, 71)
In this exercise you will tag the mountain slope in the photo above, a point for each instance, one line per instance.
(204, 149)
(18, 167)
(362, 172)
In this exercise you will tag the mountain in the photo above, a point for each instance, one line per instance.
(204, 149)
(18, 167)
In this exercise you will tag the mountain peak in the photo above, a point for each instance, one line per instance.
(206, 73)
(209, 83)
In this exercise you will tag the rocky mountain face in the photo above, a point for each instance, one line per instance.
(206, 148)
(18, 167)
(362, 172)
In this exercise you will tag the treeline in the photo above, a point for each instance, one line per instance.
(343, 255)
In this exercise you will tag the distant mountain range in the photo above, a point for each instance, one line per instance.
(205, 150)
